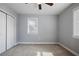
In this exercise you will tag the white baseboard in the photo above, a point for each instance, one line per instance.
(16, 44)
(37, 42)
(73, 52)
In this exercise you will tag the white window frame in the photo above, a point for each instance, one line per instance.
(28, 25)
(75, 22)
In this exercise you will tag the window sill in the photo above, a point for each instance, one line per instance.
(76, 37)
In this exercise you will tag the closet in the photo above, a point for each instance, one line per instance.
(2, 32)
(11, 32)
(7, 31)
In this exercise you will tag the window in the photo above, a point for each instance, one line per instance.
(32, 25)
(76, 23)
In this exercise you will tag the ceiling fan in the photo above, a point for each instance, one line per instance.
(40, 5)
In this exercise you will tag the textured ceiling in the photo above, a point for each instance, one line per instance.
(32, 8)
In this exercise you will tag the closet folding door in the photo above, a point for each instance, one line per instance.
(2, 32)
(11, 34)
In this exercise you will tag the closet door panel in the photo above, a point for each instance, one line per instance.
(14, 31)
(10, 32)
(2, 32)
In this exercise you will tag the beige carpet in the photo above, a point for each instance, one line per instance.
(37, 50)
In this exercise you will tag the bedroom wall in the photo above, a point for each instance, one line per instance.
(47, 29)
(66, 28)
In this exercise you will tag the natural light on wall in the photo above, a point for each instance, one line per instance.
(76, 23)
(32, 25)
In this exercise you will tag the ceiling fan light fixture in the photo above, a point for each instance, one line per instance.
(40, 5)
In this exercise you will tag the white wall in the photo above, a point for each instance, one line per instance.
(66, 29)
(47, 29)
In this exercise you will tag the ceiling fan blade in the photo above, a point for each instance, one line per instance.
(49, 4)
(39, 6)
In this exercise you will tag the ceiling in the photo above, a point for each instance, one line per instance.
(32, 8)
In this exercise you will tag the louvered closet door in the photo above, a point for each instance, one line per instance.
(10, 32)
(2, 32)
